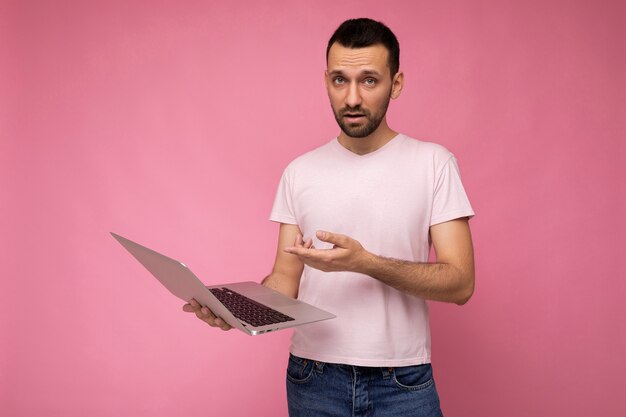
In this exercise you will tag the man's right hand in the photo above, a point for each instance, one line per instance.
(206, 315)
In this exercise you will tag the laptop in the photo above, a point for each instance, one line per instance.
(247, 306)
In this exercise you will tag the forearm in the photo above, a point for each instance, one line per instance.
(431, 281)
(282, 283)
(450, 279)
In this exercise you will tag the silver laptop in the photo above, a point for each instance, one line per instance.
(247, 306)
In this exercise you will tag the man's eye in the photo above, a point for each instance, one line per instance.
(369, 81)
(338, 80)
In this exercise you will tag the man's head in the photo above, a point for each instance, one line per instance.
(363, 32)
(362, 75)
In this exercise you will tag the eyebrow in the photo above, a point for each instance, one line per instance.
(364, 72)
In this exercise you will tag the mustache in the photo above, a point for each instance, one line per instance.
(357, 109)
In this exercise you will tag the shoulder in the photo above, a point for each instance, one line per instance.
(425, 151)
(311, 158)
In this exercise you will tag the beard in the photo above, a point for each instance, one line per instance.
(360, 130)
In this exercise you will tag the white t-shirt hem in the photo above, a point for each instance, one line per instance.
(280, 218)
(371, 362)
(452, 216)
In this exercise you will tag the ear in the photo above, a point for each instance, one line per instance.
(397, 84)
(326, 79)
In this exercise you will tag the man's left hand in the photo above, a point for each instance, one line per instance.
(346, 254)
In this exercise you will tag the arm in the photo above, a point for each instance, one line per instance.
(450, 279)
(285, 276)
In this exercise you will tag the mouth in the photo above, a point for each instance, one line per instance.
(353, 116)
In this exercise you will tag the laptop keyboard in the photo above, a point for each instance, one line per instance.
(247, 309)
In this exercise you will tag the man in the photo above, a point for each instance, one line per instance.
(357, 217)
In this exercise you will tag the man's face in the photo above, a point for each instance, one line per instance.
(359, 87)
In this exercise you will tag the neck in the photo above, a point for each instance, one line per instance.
(367, 144)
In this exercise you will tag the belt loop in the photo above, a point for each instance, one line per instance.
(387, 372)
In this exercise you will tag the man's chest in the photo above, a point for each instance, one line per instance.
(386, 198)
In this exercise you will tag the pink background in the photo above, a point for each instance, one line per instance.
(171, 122)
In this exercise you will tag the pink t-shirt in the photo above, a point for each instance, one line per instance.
(387, 200)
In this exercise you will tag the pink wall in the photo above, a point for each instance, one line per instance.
(171, 122)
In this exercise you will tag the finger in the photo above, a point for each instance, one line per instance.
(193, 305)
(311, 253)
(205, 314)
(210, 318)
(295, 250)
(334, 238)
(309, 243)
(215, 321)
(298, 241)
(222, 324)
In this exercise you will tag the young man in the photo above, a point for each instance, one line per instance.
(357, 217)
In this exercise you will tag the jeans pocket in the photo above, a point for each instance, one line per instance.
(413, 378)
(299, 370)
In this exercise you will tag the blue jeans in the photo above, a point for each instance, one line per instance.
(317, 389)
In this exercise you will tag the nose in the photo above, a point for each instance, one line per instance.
(353, 98)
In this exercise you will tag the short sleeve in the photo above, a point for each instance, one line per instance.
(450, 200)
(283, 208)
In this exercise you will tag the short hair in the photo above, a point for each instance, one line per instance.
(363, 32)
